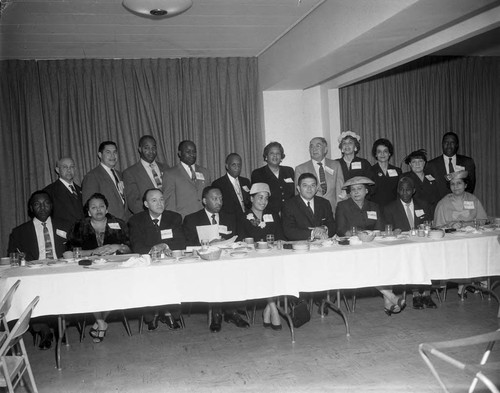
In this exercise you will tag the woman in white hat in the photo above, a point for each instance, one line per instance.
(258, 222)
(351, 164)
(459, 208)
(357, 211)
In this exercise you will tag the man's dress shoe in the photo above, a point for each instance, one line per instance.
(173, 324)
(45, 341)
(418, 303)
(216, 323)
(236, 319)
(153, 325)
(428, 302)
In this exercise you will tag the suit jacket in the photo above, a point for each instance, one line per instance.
(297, 218)
(66, 205)
(136, 181)
(183, 195)
(23, 238)
(281, 190)
(350, 215)
(247, 229)
(144, 234)
(436, 167)
(334, 181)
(348, 172)
(193, 220)
(395, 214)
(230, 201)
(98, 180)
(426, 190)
(385, 189)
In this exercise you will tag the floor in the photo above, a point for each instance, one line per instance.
(381, 355)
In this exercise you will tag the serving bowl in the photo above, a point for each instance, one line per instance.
(436, 233)
(300, 246)
(211, 254)
(366, 236)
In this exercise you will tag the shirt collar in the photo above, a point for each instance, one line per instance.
(66, 183)
(146, 164)
(315, 163)
(36, 221)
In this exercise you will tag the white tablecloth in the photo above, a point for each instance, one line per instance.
(69, 289)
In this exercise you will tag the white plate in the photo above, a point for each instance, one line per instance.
(34, 265)
(239, 254)
(188, 259)
(263, 249)
(57, 262)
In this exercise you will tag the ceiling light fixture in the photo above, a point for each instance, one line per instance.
(158, 8)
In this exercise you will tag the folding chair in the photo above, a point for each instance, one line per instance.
(4, 309)
(14, 362)
(477, 371)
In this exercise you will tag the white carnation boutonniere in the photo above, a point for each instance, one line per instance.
(262, 224)
(255, 221)
(249, 216)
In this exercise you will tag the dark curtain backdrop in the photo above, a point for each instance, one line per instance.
(56, 108)
(415, 104)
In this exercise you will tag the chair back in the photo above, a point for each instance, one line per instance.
(20, 327)
(6, 303)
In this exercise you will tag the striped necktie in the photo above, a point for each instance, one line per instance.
(193, 174)
(409, 214)
(214, 222)
(155, 176)
(49, 253)
(322, 178)
(117, 183)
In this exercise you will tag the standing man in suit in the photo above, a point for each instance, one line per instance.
(65, 193)
(106, 180)
(159, 229)
(235, 189)
(449, 162)
(212, 214)
(307, 216)
(183, 184)
(43, 237)
(404, 214)
(329, 172)
(143, 175)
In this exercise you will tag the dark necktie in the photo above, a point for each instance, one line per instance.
(409, 214)
(310, 208)
(117, 183)
(213, 220)
(155, 176)
(193, 174)
(156, 221)
(73, 189)
(49, 254)
(322, 178)
(450, 167)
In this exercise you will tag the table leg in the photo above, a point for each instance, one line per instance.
(284, 313)
(61, 326)
(327, 302)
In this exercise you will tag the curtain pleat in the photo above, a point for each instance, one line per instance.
(415, 104)
(56, 108)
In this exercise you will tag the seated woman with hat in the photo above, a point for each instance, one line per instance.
(358, 214)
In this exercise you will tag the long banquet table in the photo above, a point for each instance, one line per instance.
(71, 289)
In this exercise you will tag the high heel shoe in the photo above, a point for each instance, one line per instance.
(396, 308)
(97, 335)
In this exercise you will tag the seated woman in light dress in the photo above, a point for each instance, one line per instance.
(459, 209)
(257, 223)
(361, 214)
(98, 234)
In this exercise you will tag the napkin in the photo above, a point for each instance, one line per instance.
(143, 260)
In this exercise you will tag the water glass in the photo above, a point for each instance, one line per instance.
(205, 243)
(14, 259)
(388, 230)
(77, 252)
(155, 255)
(354, 231)
(270, 239)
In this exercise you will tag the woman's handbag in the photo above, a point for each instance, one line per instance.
(299, 312)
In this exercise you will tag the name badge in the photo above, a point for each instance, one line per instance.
(392, 172)
(419, 212)
(329, 170)
(469, 205)
(430, 177)
(289, 180)
(355, 165)
(223, 230)
(245, 188)
(166, 234)
(61, 233)
(199, 176)
(372, 215)
(459, 168)
(114, 225)
(268, 218)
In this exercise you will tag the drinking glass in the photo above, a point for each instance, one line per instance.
(205, 243)
(270, 239)
(77, 252)
(388, 230)
(14, 259)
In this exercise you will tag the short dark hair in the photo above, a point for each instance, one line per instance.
(95, 195)
(145, 195)
(450, 133)
(207, 189)
(357, 145)
(406, 179)
(103, 145)
(39, 192)
(230, 155)
(144, 138)
(269, 146)
(384, 142)
(307, 175)
(182, 143)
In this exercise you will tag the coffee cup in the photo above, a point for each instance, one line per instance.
(249, 240)
(262, 245)
(176, 253)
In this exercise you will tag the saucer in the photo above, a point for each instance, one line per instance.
(239, 254)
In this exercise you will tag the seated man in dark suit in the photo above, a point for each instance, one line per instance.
(42, 237)
(65, 193)
(307, 216)
(404, 214)
(156, 228)
(449, 162)
(213, 215)
(235, 189)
